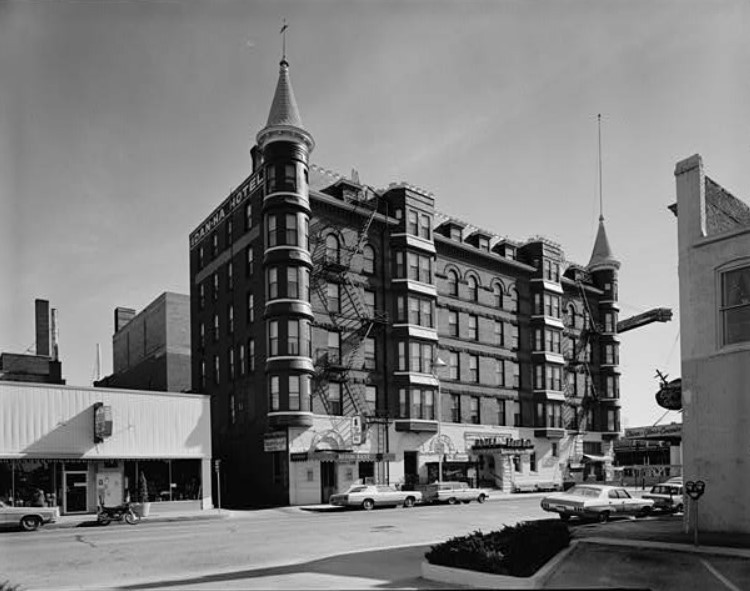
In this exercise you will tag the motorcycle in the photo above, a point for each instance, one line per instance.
(123, 512)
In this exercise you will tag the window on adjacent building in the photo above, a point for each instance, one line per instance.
(501, 412)
(499, 372)
(453, 367)
(216, 327)
(215, 244)
(201, 296)
(474, 410)
(202, 336)
(452, 323)
(456, 234)
(369, 302)
(335, 400)
(216, 286)
(243, 361)
(203, 376)
(455, 408)
(497, 295)
(216, 369)
(201, 258)
(499, 340)
(230, 319)
(483, 244)
(473, 327)
(370, 359)
(403, 403)
(333, 297)
(371, 398)
(516, 375)
(516, 413)
(292, 231)
(251, 354)
(368, 260)
(735, 306)
(473, 288)
(230, 275)
(513, 301)
(400, 265)
(332, 249)
(230, 363)
(249, 261)
(293, 337)
(412, 222)
(333, 354)
(514, 336)
(248, 216)
(250, 308)
(452, 283)
(474, 368)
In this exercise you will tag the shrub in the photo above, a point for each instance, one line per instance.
(517, 550)
(142, 489)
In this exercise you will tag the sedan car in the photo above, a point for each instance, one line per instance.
(667, 496)
(27, 518)
(369, 496)
(595, 501)
(452, 493)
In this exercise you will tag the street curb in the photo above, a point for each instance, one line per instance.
(154, 519)
(669, 546)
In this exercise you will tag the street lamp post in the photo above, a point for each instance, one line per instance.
(438, 363)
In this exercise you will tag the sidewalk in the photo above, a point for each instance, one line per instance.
(89, 519)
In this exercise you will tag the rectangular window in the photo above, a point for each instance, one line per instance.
(413, 260)
(251, 354)
(250, 308)
(292, 282)
(499, 372)
(415, 356)
(403, 403)
(427, 358)
(425, 269)
(273, 337)
(232, 409)
(216, 286)
(216, 369)
(428, 397)
(538, 377)
(203, 376)
(516, 375)
(499, 341)
(453, 369)
(202, 341)
(484, 244)
(201, 258)
(370, 360)
(613, 420)
(243, 361)
(216, 327)
(424, 226)
(215, 244)
(369, 302)
(201, 296)
(371, 398)
(334, 347)
(474, 410)
(290, 177)
(416, 403)
(248, 216)
(271, 239)
(516, 413)
(473, 368)
(333, 297)
(412, 222)
(294, 393)
(425, 313)
(249, 257)
(274, 393)
(334, 398)
(456, 234)
(455, 408)
(230, 275)
(293, 338)
(501, 412)
(273, 283)
(452, 323)
(230, 319)
(230, 359)
(473, 327)
(402, 356)
(292, 231)
(400, 265)
(513, 336)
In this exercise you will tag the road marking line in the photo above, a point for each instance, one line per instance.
(718, 575)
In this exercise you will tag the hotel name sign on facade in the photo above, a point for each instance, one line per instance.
(235, 199)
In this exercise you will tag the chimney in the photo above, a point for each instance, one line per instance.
(42, 327)
(54, 334)
(122, 317)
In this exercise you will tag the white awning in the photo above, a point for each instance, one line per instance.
(593, 458)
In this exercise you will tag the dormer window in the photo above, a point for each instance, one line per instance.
(456, 234)
(483, 244)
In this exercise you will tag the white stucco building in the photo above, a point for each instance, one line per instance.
(79, 445)
(714, 273)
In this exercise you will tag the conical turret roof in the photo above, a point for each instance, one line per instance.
(284, 110)
(602, 257)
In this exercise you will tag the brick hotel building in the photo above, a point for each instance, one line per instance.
(348, 333)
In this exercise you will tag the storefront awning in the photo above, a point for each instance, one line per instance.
(593, 458)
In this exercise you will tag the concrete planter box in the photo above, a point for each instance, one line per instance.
(480, 580)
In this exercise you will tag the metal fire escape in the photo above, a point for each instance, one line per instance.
(352, 317)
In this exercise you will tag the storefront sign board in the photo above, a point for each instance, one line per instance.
(275, 441)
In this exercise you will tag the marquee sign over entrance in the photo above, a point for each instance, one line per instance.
(502, 444)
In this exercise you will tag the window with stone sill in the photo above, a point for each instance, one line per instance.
(230, 363)
(735, 306)
(203, 376)
(368, 260)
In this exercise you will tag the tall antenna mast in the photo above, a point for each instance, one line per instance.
(283, 41)
(601, 203)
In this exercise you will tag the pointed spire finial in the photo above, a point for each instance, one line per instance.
(601, 201)
(283, 41)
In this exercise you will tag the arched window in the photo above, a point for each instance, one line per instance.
(513, 300)
(571, 316)
(332, 249)
(473, 288)
(368, 257)
(497, 292)
(452, 283)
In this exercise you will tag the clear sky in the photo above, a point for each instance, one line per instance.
(123, 123)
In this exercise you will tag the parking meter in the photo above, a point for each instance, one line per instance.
(695, 490)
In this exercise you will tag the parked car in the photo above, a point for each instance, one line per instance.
(667, 496)
(369, 496)
(452, 493)
(595, 501)
(27, 518)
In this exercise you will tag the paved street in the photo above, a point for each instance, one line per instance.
(230, 552)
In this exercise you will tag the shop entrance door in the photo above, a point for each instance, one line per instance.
(328, 483)
(76, 492)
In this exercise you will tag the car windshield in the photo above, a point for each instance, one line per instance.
(584, 491)
(356, 489)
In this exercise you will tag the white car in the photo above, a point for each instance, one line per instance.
(596, 501)
(369, 496)
(27, 518)
(452, 493)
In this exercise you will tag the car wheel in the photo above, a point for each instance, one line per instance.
(679, 508)
(368, 504)
(30, 523)
(409, 502)
(564, 516)
(452, 501)
(604, 517)
(645, 512)
(481, 498)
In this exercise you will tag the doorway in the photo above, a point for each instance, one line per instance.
(76, 492)
(328, 482)
(367, 472)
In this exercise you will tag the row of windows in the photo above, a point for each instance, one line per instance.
(418, 224)
(500, 300)
(288, 176)
(416, 310)
(503, 336)
(244, 358)
(331, 354)
(333, 300)
(214, 283)
(229, 236)
(506, 372)
(291, 229)
(333, 254)
(549, 305)
(410, 265)
(298, 388)
(293, 284)
(419, 403)
(335, 398)
(230, 324)
(289, 337)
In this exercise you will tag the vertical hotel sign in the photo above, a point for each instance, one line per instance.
(102, 422)
(235, 199)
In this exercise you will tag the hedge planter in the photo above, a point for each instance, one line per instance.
(479, 580)
(515, 557)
